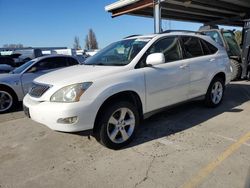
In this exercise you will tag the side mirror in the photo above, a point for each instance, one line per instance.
(155, 59)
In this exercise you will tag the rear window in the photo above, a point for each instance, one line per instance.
(215, 35)
(192, 47)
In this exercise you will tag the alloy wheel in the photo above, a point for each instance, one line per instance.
(121, 125)
(217, 92)
(6, 101)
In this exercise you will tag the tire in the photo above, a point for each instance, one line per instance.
(113, 131)
(8, 100)
(215, 92)
(236, 70)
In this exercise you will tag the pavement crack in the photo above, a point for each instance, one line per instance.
(147, 172)
(138, 152)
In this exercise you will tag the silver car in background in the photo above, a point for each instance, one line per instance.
(15, 85)
(4, 68)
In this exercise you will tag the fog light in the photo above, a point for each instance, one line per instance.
(69, 120)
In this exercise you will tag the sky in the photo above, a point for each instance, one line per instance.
(55, 23)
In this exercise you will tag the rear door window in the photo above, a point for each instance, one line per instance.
(51, 63)
(192, 46)
(72, 61)
(208, 48)
(58, 62)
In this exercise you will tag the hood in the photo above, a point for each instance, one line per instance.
(8, 78)
(77, 74)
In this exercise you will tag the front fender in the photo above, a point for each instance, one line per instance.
(16, 87)
(104, 88)
(118, 88)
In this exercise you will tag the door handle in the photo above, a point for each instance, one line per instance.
(184, 66)
(211, 60)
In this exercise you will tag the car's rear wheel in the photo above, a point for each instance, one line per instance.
(7, 100)
(118, 125)
(215, 92)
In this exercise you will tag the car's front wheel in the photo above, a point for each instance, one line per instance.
(118, 125)
(215, 92)
(236, 70)
(7, 100)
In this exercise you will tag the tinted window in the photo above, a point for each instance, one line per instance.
(72, 61)
(51, 63)
(208, 48)
(192, 47)
(57, 62)
(205, 48)
(170, 47)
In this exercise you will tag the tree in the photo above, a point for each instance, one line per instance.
(76, 44)
(87, 44)
(90, 41)
(238, 36)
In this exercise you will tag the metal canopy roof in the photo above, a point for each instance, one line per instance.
(221, 12)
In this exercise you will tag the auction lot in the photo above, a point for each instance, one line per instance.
(187, 146)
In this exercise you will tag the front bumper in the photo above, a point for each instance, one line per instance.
(48, 113)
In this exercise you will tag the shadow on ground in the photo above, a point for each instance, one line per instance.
(18, 108)
(187, 115)
(190, 114)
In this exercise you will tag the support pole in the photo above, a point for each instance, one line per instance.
(246, 50)
(157, 16)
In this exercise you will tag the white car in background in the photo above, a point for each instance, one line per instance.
(127, 81)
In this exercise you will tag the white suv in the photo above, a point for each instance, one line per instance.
(127, 81)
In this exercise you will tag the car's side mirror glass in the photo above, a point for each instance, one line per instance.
(155, 59)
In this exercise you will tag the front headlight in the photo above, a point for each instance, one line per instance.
(71, 93)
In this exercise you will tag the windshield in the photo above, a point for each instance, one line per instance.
(119, 53)
(234, 49)
(22, 67)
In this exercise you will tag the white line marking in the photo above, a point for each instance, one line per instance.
(230, 139)
(168, 143)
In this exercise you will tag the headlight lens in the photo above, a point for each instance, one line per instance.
(71, 93)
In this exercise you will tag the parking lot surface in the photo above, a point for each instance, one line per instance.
(187, 146)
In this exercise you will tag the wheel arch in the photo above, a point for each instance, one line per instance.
(128, 95)
(4, 86)
(220, 74)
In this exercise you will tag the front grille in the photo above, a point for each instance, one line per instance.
(37, 90)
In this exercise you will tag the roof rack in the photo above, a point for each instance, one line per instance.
(185, 31)
(131, 36)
